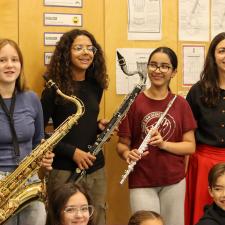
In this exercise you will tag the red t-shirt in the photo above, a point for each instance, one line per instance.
(159, 167)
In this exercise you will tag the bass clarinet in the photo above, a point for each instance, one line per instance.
(117, 117)
(144, 144)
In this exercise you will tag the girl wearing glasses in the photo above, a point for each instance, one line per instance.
(215, 213)
(70, 204)
(207, 101)
(157, 182)
(78, 68)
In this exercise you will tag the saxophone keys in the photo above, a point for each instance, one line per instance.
(78, 170)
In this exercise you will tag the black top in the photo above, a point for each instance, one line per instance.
(213, 216)
(210, 121)
(82, 134)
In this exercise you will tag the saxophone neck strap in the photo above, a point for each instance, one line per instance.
(9, 113)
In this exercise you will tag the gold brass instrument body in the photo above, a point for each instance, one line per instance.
(13, 190)
(22, 198)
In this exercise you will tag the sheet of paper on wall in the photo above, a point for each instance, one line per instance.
(217, 17)
(193, 62)
(47, 57)
(136, 60)
(144, 19)
(63, 19)
(194, 20)
(52, 38)
(64, 3)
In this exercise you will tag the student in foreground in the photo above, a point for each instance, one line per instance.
(215, 213)
(143, 217)
(70, 204)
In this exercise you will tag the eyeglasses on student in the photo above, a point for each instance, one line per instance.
(90, 48)
(164, 68)
(84, 210)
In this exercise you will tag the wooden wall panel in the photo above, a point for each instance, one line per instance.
(116, 20)
(31, 33)
(9, 19)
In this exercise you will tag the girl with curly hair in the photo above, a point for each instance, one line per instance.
(78, 68)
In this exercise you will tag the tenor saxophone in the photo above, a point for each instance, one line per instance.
(14, 193)
(116, 118)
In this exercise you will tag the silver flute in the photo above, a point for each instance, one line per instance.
(145, 142)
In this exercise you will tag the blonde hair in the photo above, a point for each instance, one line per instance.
(21, 81)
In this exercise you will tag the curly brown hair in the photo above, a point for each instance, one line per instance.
(60, 67)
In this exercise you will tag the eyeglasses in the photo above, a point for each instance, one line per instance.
(90, 48)
(74, 210)
(219, 190)
(164, 68)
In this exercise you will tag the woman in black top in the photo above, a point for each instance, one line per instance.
(207, 101)
(78, 68)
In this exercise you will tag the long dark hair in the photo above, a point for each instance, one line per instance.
(59, 69)
(140, 216)
(59, 198)
(209, 77)
(170, 53)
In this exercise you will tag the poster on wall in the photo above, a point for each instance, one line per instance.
(144, 20)
(217, 17)
(136, 60)
(193, 62)
(62, 19)
(64, 3)
(194, 20)
(51, 38)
